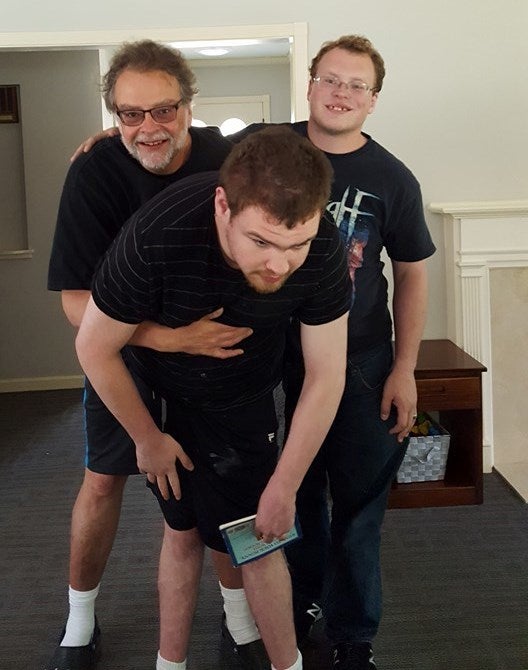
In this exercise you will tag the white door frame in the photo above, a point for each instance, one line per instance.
(297, 33)
(264, 100)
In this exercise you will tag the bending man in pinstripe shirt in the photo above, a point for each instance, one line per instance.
(252, 239)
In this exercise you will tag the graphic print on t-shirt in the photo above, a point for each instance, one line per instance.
(352, 223)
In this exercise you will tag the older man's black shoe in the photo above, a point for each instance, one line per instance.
(251, 656)
(77, 658)
(353, 656)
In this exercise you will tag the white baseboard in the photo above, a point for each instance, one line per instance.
(41, 383)
(487, 458)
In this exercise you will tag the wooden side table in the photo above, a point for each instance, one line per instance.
(449, 381)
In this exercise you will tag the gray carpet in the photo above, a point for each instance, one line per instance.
(455, 579)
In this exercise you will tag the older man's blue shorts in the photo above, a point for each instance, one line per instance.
(109, 449)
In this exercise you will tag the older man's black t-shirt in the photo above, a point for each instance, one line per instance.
(103, 188)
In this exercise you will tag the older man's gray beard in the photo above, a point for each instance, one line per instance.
(160, 162)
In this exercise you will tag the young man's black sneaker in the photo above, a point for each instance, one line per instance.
(305, 614)
(353, 656)
(251, 656)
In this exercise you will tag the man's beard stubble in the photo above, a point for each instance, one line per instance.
(155, 163)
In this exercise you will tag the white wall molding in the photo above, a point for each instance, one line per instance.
(82, 39)
(472, 210)
(17, 255)
(41, 383)
(480, 236)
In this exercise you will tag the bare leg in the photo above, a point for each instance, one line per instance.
(268, 588)
(180, 567)
(95, 518)
(228, 576)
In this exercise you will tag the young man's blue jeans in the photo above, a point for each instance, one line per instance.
(338, 562)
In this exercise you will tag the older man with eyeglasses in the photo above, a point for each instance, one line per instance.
(149, 88)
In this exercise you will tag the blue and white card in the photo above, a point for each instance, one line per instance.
(243, 545)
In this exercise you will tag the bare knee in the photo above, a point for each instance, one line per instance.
(180, 544)
(99, 485)
(181, 559)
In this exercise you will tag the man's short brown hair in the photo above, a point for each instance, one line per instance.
(279, 171)
(148, 56)
(355, 44)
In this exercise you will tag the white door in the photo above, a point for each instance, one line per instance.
(232, 113)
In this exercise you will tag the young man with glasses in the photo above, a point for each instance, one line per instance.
(252, 239)
(376, 203)
(149, 88)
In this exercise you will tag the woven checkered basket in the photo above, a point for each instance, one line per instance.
(426, 458)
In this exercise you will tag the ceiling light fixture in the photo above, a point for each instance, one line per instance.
(214, 51)
(205, 44)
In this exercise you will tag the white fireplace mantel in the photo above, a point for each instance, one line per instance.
(480, 236)
(480, 209)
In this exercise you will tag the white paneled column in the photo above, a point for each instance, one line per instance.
(480, 236)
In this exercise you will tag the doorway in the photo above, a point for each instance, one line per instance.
(231, 114)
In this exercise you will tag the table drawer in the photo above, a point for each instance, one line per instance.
(449, 393)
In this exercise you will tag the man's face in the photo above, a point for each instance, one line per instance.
(159, 147)
(263, 249)
(337, 110)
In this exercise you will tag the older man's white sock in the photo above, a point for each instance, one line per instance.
(296, 666)
(81, 620)
(162, 664)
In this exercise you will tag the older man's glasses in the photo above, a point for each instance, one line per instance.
(162, 114)
(355, 86)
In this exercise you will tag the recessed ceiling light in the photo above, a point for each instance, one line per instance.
(215, 51)
(201, 44)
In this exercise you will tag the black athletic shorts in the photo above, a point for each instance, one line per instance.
(109, 449)
(234, 453)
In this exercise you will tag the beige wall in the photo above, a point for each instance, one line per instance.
(59, 101)
(509, 340)
(453, 108)
(60, 106)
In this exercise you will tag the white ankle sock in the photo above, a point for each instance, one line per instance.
(239, 619)
(162, 664)
(81, 620)
(296, 666)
